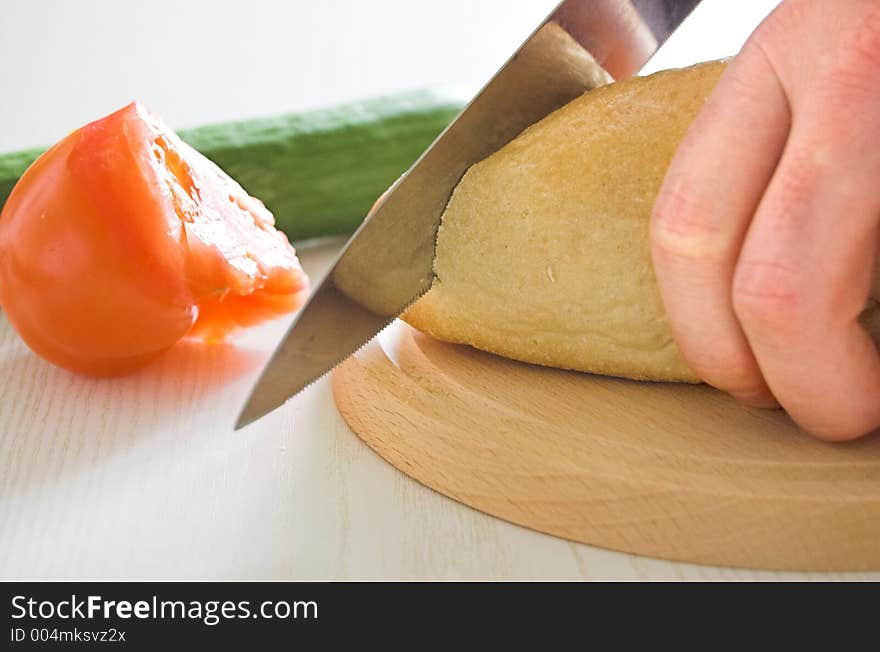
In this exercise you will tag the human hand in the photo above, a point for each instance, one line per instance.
(764, 234)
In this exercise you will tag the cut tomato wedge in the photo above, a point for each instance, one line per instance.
(122, 239)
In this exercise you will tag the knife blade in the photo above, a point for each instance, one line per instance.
(388, 263)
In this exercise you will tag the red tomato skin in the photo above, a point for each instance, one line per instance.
(78, 279)
(121, 240)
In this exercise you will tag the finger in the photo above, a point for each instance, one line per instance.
(806, 268)
(702, 213)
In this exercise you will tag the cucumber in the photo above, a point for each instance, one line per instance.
(318, 172)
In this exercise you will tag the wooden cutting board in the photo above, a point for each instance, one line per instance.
(672, 471)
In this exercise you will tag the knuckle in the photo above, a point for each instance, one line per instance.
(767, 296)
(681, 229)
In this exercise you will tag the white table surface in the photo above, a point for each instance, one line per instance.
(142, 477)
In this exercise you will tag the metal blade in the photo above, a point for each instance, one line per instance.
(387, 264)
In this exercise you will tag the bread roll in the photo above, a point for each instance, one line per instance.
(543, 252)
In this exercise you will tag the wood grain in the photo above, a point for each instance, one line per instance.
(670, 471)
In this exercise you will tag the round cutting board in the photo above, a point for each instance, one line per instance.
(672, 471)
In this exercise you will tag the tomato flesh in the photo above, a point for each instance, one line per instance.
(122, 239)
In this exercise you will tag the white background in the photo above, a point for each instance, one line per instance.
(66, 62)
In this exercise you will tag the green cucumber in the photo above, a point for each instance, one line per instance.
(318, 172)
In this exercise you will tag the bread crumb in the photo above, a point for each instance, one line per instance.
(550, 274)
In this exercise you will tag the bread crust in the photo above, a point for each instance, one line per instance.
(543, 252)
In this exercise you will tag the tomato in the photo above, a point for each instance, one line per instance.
(121, 239)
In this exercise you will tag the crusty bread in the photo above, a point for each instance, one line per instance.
(543, 253)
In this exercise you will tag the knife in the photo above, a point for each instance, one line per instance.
(388, 263)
